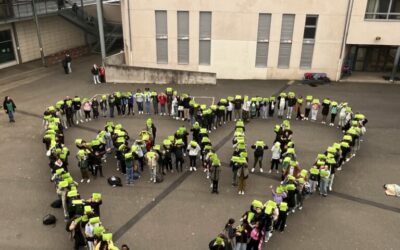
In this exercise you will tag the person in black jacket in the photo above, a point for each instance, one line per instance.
(9, 107)
(95, 73)
(259, 148)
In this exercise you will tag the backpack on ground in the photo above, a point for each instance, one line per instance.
(159, 178)
(114, 181)
(56, 204)
(49, 219)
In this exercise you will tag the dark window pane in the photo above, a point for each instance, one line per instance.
(309, 33)
(5, 35)
(383, 6)
(6, 52)
(311, 20)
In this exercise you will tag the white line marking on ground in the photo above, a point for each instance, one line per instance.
(290, 82)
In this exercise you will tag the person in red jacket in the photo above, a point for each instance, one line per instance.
(162, 99)
(102, 74)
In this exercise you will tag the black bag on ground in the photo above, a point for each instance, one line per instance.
(56, 204)
(114, 181)
(159, 178)
(49, 219)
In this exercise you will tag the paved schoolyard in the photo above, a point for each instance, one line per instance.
(180, 213)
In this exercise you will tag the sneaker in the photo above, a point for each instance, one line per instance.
(88, 181)
(205, 170)
(269, 171)
(300, 208)
(151, 179)
(340, 168)
(330, 189)
(208, 177)
(77, 122)
(194, 168)
(154, 180)
(81, 121)
(261, 170)
(252, 170)
(90, 119)
(240, 192)
(82, 180)
(190, 169)
(277, 171)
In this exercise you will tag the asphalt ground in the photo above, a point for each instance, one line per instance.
(180, 213)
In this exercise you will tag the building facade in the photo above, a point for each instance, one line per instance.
(262, 39)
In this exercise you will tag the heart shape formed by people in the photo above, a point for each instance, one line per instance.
(296, 182)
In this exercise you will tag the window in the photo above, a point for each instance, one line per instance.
(161, 36)
(6, 47)
(285, 47)
(183, 37)
(307, 50)
(264, 24)
(205, 38)
(383, 9)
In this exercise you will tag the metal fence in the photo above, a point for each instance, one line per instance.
(21, 9)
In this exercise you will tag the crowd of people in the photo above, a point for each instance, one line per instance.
(134, 155)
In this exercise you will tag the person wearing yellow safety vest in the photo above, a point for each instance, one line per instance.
(315, 105)
(325, 109)
(139, 101)
(147, 100)
(242, 235)
(215, 170)
(281, 222)
(83, 165)
(154, 99)
(314, 177)
(179, 149)
(68, 109)
(151, 159)
(167, 156)
(169, 94)
(307, 109)
(298, 107)
(194, 150)
(324, 173)
(243, 174)
(334, 110)
(259, 148)
(77, 111)
(291, 103)
(237, 104)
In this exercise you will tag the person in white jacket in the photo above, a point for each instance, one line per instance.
(276, 155)
(194, 150)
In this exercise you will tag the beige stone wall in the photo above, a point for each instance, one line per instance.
(234, 35)
(57, 35)
(365, 31)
